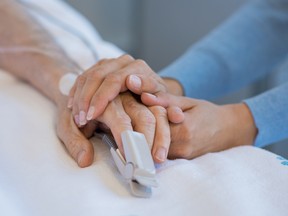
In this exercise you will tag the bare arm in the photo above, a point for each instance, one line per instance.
(29, 52)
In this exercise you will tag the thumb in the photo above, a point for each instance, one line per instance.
(168, 100)
(159, 99)
(140, 83)
(78, 146)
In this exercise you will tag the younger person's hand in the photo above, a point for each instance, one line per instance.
(206, 127)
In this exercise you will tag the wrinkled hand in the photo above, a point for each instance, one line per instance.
(206, 127)
(123, 113)
(75, 141)
(101, 84)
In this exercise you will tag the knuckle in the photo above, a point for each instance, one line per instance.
(129, 101)
(126, 57)
(113, 78)
(101, 61)
(81, 80)
(159, 111)
(123, 119)
(145, 117)
(97, 73)
(84, 101)
(142, 66)
(140, 63)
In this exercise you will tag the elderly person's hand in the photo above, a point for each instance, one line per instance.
(41, 62)
(206, 127)
(98, 88)
(123, 113)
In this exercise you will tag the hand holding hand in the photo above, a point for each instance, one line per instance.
(123, 113)
(206, 127)
(101, 84)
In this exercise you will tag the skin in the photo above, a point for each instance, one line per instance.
(196, 126)
(207, 127)
(100, 85)
(42, 63)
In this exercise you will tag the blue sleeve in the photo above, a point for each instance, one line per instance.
(249, 45)
(243, 49)
(270, 113)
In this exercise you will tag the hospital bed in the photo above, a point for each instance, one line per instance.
(38, 177)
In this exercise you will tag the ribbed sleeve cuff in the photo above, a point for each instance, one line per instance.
(270, 112)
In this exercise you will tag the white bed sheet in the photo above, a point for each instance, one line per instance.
(38, 177)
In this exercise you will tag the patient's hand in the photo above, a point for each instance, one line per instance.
(206, 127)
(123, 113)
(76, 142)
(99, 85)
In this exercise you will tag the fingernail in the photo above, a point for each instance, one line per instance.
(90, 113)
(151, 95)
(135, 81)
(82, 118)
(81, 156)
(76, 119)
(161, 154)
(70, 103)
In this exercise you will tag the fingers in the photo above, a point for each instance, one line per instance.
(117, 120)
(142, 118)
(89, 129)
(75, 111)
(114, 83)
(88, 83)
(168, 100)
(145, 82)
(163, 100)
(99, 85)
(152, 122)
(75, 142)
(183, 139)
(175, 114)
(95, 97)
(162, 134)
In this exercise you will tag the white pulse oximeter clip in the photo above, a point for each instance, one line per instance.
(138, 168)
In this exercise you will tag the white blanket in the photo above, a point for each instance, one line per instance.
(38, 177)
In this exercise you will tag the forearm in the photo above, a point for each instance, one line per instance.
(270, 115)
(246, 47)
(29, 52)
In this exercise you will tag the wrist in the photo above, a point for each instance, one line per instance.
(242, 124)
(173, 86)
